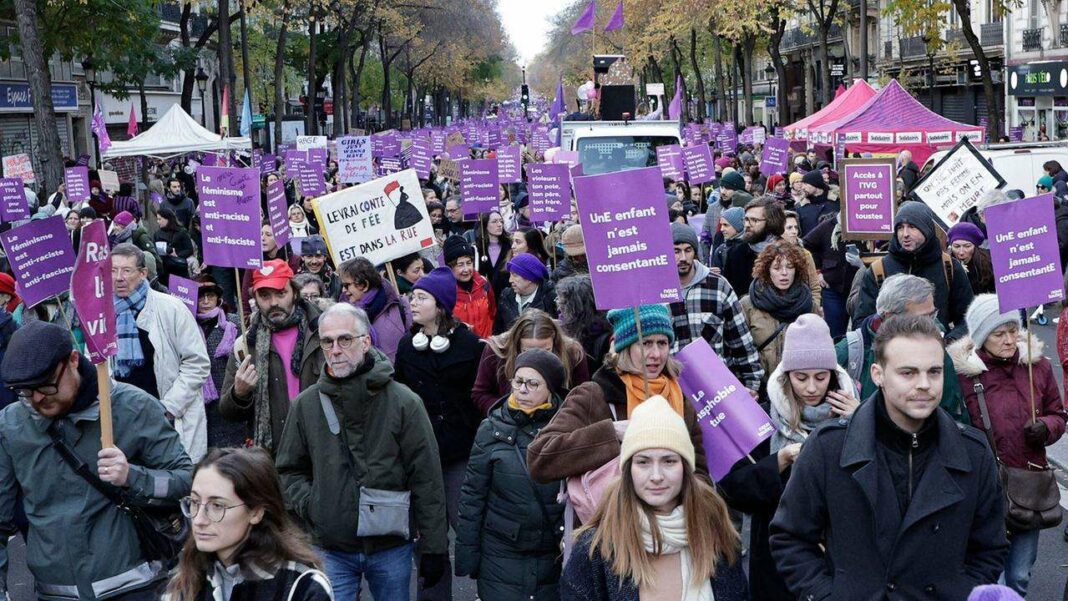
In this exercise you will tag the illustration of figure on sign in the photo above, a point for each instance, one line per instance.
(407, 214)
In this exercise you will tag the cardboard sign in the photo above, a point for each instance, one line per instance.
(186, 291)
(13, 203)
(76, 181)
(868, 198)
(20, 166)
(230, 216)
(41, 257)
(449, 169)
(381, 220)
(109, 181)
(1025, 254)
(455, 139)
(354, 162)
(628, 238)
(956, 183)
(91, 292)
(479, 185)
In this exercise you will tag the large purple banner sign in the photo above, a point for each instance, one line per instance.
(91, 292)
(1023, 246)
(549, 186)
(732, 423)
(277, 212)
(230, 216)
(699, 166)
(13, 203)
(509, 161)
(727, 139)
(868, 198)
(669, 160)
(41, 258)
(776, 157)
(479, 185)
(422, 157)
(628, 238)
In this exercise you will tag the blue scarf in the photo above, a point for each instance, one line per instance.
(126, 309)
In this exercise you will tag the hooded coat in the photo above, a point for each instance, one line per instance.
(952, 295)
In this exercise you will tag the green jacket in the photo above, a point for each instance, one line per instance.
(391, 446)
(79, 541)
(952, 398)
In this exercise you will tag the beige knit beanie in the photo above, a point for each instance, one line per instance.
(655, 425)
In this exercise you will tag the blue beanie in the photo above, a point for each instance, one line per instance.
(735, 216)
(656, 319)
(441, 284)
(527, 266)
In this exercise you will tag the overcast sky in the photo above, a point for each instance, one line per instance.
(527, 23)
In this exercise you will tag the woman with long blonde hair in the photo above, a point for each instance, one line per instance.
(660, 533)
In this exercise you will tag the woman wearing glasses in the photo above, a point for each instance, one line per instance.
(243, 544)
(509, 529)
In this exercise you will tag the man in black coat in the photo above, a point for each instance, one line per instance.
(898, 501)
(764, 222)
(908, 171)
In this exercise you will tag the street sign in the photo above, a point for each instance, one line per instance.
(770, 102)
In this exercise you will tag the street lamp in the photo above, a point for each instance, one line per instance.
(770, 72)
(202, 85)
(90, 77)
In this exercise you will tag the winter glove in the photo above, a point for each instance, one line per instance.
(1036, 434)
(432, 568)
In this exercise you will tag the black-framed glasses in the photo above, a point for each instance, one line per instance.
(45, 389)
(214, 510)
(344, 341)
(529, 384)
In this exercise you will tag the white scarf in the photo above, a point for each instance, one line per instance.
(673, 540)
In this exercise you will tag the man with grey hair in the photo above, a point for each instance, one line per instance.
(359, 464)
(900, 294)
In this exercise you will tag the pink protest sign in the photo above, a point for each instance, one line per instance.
(186, 291)
(1023, 247)
(90, 287)
(732, 423)
(20, 166)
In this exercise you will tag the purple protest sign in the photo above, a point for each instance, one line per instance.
(422, 157)
(699, 166)
(669, 159)
(41, 258)
(310, 180)
(1023, 247)
(727, 139)
(776, 157)
(13, 203)
(732, 423)
(479, 185)
(549, 186)
(230, 216)
(437, 141)
(493, 137)
(186, 291)
(509, 161)
(385, 144)
(76, 180)
(458, 151)
(628, 238)
(293, 159)
(277, 211)
(91, 289)
(868, 198)
(1016, 134)
(267, 163)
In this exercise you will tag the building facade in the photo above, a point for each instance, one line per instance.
(1036, 87)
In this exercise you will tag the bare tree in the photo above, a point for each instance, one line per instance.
(44, 112)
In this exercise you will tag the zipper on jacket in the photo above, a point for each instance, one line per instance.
(915, 445)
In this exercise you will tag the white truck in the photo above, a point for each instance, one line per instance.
(608, 146)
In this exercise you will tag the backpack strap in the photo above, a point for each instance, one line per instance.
(879, 271)
(770, 339)
(980, 393)
(947, 269)
(855, 345)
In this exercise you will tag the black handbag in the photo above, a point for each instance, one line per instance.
(161, 531)
(1032, 498)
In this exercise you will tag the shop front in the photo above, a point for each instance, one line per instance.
(1037, 102)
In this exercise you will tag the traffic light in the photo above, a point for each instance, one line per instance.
(524, 95)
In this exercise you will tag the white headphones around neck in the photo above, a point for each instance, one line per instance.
(437, 344)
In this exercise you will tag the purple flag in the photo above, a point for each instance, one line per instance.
(100, 128)
(616, 22)
(185, 290)
(479, 185)
(628, 238)
(277, 211)
(230, 213)
(90, 287)
(1023, 247)
(41, 257)
(549, 185)
(586, 21)
(675, 108)
(732, 423)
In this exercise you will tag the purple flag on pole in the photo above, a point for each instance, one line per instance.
(41, 257)
(100, 128)
(230, 213)
(90, 287)
(586, 21)
(732, 423)
(1024, 251)
(675, 108)
(616, 22)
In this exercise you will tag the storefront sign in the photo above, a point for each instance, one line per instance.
(1038, 79)
(15, 97)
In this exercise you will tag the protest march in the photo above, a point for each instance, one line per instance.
(431, 331)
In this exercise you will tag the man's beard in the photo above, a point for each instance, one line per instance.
(277, 316)
(752, 238)
(685, 269)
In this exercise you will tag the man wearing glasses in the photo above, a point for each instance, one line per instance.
(359, 464)
(765, 221)
(80, 544)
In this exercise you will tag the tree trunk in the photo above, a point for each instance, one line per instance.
(720, 83)
(279, 76)
(226, 62)
(993, 108)
(48, 153)
(357, 73)
(780, 68)
(387, 98)
(338, 78)
(144, 105)
(310, 121)
(825, 71)
(748, 43)
(697, 73)
(676, 62)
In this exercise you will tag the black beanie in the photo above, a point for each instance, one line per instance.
(815, 178)
(456, 247)
(547, 364)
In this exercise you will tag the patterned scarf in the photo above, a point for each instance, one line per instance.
(130, 354)
(260, 341)
(223, 350)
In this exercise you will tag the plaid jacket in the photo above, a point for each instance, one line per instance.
(711, 310)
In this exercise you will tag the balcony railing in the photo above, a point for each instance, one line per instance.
(888, 49)
(912, 47)
(956, 36)
(1032, 39)
(992, 34)
(798, 36)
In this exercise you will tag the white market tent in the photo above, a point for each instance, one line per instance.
(176, 133)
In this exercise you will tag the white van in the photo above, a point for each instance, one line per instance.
(1019, 164)
(609, 146)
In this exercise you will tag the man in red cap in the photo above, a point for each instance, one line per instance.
(278, 358)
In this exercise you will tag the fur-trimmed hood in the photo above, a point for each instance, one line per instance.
(967, 362)
(777, 391)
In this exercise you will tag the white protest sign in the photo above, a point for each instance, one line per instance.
(956, 183)
(354, 159)
(308, 142)
(381, 220)
(109, 180)
(19, 165)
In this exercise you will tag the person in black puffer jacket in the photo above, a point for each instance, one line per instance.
(818, 205)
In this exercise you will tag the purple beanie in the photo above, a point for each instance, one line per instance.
(993, 592)
(968, 232)
(808, 345)
(526, 265)
(441, 284)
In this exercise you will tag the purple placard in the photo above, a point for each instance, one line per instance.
(76, 180)
(868, 198)
(540, 141)
(230, 216)
(422, 157)
(91, 292)
(1016, 134)
(41, 258)
(569, 157)
(776, 157)
(727, 139)
(628, 238)
(437, 141)
(268, 163)
(549, 186)
(509, 162)
(1023, 247)
(277, 211)
(389, 165)
(458, 151)
(732, 423)
(186, 291)
(479, 185)
(311, 180)
(293, 159)
(669, 159)
(155, 197)
(780, 132)
(13, 203)
(385, 144)
(493, 137)
(699, 166)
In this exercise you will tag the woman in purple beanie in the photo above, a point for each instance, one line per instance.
(965, 242)
(529, 288)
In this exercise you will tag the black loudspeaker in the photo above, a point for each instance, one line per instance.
(616, 100)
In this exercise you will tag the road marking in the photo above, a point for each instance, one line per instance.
(1064, 496)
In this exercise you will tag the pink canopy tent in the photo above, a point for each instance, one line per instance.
(892, 121)
(843, 104)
